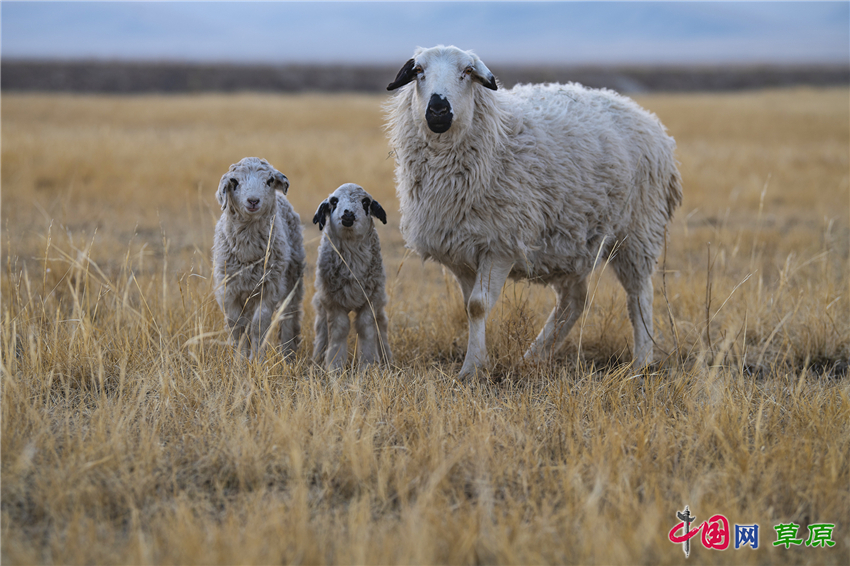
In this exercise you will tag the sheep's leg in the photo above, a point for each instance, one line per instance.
(367, 336)
(634, 272)
(572, 293)
(489, 280)
(320, 343)
(639, 299)
(640, 313)
(338, 327)
(466, 280)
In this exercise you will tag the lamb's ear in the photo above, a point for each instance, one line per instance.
(404, 76)
(482, 75)
(281, 183)
(321, 215)
(376, 210)
(222, 195)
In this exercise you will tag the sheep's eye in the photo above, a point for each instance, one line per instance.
(467, 71)
(234, 184)
(333, 201)
(366, 202)
(418, 69)
(270, 181)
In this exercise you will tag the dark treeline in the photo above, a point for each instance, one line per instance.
(138, 77)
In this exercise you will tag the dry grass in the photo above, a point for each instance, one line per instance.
(131, 434)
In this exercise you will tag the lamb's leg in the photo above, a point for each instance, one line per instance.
(489, 280)
(371, 325)
(320, 343)
(367, 335)
(259, 328)
(338, 327)
(237, 323)
(572, 293)
(384, 345)
(290, 325)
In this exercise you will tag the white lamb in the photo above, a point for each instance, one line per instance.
(350, 277)
(258, 256)
(534, 182)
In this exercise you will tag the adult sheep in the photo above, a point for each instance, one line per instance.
(535, 182)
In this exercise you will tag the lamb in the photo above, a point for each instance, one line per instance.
(536, 182)
(258, 257)
(350, 277)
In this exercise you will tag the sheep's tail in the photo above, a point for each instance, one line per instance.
(673, 192)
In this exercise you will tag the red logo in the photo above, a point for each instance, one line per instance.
(715, 532)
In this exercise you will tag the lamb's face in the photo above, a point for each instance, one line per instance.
(445, 79)
(348, 212)
(247, 190)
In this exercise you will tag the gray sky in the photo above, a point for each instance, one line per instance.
(387, 32)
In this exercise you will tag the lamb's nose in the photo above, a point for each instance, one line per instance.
(253, 202)
(347, 214)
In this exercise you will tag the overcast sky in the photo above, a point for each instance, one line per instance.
(387, 32)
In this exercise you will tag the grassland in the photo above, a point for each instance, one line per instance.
(131, 433)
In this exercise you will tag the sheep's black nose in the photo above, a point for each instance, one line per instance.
(348, 218)
(438, 105)
(439, 114)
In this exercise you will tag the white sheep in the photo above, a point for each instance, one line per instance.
(535, 182)
(350, 277)
(258, 256)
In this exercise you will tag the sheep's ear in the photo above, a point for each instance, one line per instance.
(321, 215)
(376, 210)
(222, 195)
(404, 76)
(280, 181)
(482, 75)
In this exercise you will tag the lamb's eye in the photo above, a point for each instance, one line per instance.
(270, 181)
(234, 184)
(333, 201)
(366, 203)
(467, 71)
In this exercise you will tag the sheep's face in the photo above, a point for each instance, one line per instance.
(445, 78)
(248, 189)
(348, 212)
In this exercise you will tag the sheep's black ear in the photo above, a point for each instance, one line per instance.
(482, 75)
(222, 195)
(322, 214)
(378, 211)
(404, 76)
(280, 181)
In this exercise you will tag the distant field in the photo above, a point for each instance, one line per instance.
(143, 77)
(132, 434)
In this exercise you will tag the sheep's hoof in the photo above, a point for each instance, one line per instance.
(473, 372)
(536, 357)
